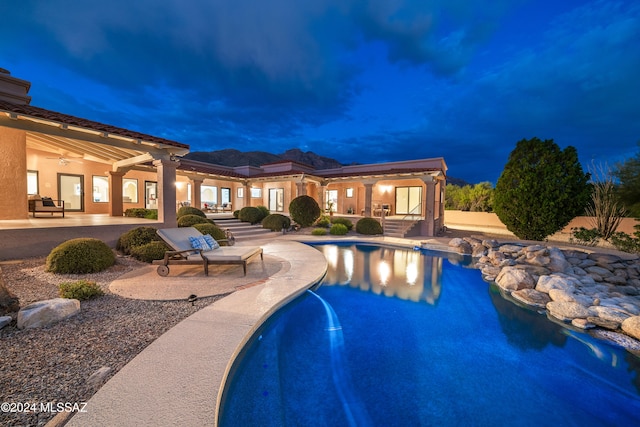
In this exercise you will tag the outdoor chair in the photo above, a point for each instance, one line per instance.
(39, 204)
(193, 248)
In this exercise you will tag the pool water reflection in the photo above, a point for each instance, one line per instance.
(402, 337)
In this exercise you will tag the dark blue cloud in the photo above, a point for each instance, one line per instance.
(356, 80)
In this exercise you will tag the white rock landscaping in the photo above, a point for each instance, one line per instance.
(44, 313)
(595, 291)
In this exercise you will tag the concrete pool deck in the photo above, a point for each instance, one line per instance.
(176, 379)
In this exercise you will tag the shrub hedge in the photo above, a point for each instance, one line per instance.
(191, 220)
(212, 230)
(368, 226)
(338, 230)
(136, 237)
(304, 210)
(149, 251)
(80, 256)
(80, 290)
(250, 214)
(344, 221)
(190, 210)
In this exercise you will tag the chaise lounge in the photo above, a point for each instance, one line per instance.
(191, 247)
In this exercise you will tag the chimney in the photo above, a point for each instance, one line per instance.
(12, 89)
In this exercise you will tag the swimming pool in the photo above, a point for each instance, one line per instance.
(401, 337)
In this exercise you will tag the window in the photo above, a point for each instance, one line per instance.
(225, 195)
(276, 199)
(129, 190)
(256, 193)
(349, 192)
(240, 194)
(100, 186)
(32, 182)
(208, 196)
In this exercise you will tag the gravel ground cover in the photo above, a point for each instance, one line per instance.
(51, 365)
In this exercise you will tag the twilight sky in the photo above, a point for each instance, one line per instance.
(359, 81)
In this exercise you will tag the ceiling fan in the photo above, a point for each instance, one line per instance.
(64, 161)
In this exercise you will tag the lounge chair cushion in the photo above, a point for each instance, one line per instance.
(199, 242)
(213, 243)
(223, 253)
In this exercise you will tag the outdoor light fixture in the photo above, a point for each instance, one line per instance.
(192, 299)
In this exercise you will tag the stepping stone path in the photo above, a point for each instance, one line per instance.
(595, 291)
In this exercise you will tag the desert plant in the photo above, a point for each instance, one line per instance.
(136, 237)
(344, 221)
(626, 243)
(605, 209)
(250, 214)
(191, 220)
(276, 222)
(319, 232)
(369, 226)
(149, 251)
(79, 256)
(212, 230)
(304, 210)
(190, 210)
(585, 237)
(541, 189)
(324, 221)
(80, 290)
(628, 174)
(338, 230)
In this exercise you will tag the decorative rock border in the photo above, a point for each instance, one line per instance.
(589, 291)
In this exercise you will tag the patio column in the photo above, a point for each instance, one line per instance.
(301, 188)
(368, 195)
(428, 225)
(115, 188)
(196, 192)
(247, 195)
(13, 174)
(166, 172)
(322, 197)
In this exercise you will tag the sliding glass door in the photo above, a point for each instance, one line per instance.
(408, 200)
(71, 190)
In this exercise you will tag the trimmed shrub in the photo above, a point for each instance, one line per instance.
(264, 210)
(141, 213)
(80, 256)
(276, 222)
(368, 226)
(324, 221)
(250, 214)
(319, 232)
(212, 230)
(149, 251)
(344, 221)
(236, 213)
(190, 210)
(304, 210)
(338, 230)
(136, 237)
(80, 290)
(191, 220)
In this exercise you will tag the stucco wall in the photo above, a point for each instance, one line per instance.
(13, 174)
(490, 222)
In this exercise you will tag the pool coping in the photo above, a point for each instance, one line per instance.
(180, 377)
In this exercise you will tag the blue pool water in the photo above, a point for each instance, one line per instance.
(395, 337)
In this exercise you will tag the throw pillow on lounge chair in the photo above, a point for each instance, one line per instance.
(211, 241)
(48, 201)
(199, 242)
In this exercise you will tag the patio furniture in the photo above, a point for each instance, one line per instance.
(190, 247)
(39, 204)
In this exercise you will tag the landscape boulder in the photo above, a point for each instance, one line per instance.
(44, 313)
(631, 326)
(9, 303)
(513, 279)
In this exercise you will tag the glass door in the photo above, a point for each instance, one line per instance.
(276, 199)
(408, 200)
(71, 190)
(151, 195)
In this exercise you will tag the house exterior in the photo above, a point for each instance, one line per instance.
(101, 169)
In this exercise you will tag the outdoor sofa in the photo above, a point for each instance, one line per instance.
(39, 204)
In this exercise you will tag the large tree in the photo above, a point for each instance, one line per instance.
(628, 173)
(541, 189)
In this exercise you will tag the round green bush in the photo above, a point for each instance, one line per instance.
(304, 210)
(344, 221)
(338, 230)
(80, 290)
(368, 226)
(191, 220)
(276, 222)
(136, 237)
(319, 232)
(324, 221)
(149, 251)
(212, 230)
(190, 210)
(80, 256)
(236, 213)
(250, 214)
(264, 210)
